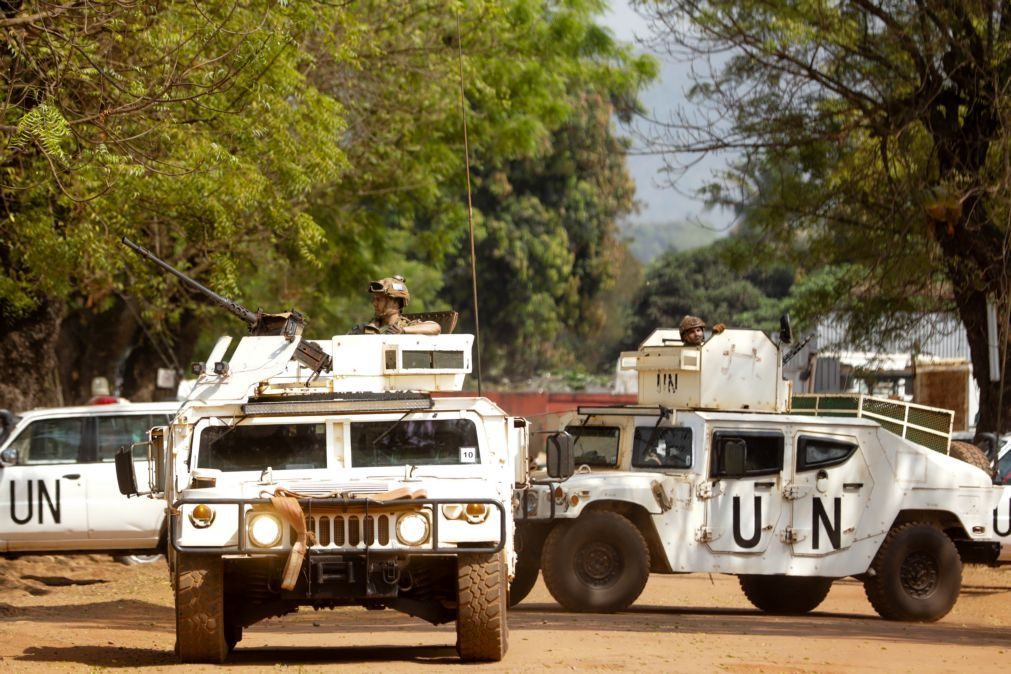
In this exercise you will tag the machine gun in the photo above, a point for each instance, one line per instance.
(288, 324)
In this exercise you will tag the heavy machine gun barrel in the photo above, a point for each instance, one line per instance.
(242, 312)
(288, 324)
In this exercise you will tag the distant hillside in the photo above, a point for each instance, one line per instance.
(649, 239)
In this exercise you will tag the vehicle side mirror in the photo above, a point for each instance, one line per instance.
(561, 460)
(785, 331)
(734, 453)
(9, 457)
(125, 476)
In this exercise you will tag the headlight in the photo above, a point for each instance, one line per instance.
(202, 516)
(264, 530)
(412, 529)
(453, 511)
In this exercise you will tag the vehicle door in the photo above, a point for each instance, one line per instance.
(745, 499)
(828, 492)
(42, 495)
(111, 515)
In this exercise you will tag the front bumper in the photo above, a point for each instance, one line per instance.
(339, 526)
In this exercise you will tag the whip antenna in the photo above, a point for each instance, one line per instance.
(470, 206)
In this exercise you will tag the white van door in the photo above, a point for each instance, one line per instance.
(42, 497)
(112, 517)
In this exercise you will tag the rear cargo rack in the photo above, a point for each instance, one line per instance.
(929, 427)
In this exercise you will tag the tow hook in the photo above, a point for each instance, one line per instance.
(391, 572)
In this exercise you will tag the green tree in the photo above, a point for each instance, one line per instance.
(721, 283)
(187, 126)
(875, 144)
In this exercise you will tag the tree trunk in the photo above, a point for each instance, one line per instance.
(29, 360)
(112, 344)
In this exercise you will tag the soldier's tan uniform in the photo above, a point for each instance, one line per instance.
(389, 296)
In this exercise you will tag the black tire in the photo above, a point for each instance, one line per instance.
(527, 571)
(200, 609)
(140, 559)
(972, 455)
(785, 595)
(529, 542)
(596, 563)
(916, 575)
(482, 632)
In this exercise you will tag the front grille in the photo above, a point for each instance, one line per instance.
(349, 531)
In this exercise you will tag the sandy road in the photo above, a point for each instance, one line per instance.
(87, 613)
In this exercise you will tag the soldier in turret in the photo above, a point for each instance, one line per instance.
(389, 297)
(693, 330)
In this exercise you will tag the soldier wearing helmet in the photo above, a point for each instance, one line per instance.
(389, 297)
(693, 330)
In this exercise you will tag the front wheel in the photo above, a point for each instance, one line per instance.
(596, 563)
(482, 633)
(529, 543)
(785, 595)
(916, 575)
(201, 634)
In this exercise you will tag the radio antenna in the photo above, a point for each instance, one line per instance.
(470, 206)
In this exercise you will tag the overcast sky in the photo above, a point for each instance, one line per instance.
(661, 204)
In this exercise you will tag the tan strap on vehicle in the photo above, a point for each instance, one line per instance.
(291, 512)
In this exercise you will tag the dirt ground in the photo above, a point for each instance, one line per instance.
(89, 613)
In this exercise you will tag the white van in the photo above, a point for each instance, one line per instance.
(58, 489)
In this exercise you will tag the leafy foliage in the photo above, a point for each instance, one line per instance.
(874, 140)
(720, 283)
(284, 154)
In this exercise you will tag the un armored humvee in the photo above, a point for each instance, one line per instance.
(358, 488)
(325, 473)
(712, 471)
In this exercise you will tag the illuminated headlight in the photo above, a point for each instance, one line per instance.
(264, 530)
(474, 513)
(202, 516)
(412, 529)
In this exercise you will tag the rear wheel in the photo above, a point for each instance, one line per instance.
(785, 595)
(972, 455)
(598, 563)
(482, 633)
(915, 576)
(201, 634)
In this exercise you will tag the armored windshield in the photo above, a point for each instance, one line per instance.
(594, 445)
(256, 446)
(415, 442)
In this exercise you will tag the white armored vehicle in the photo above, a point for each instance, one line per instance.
(712, 472)
(325, 473)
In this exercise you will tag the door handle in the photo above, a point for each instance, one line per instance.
(72, 476)
(853, 486)
(764, 485)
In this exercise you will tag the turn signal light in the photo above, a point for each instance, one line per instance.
(202, 516)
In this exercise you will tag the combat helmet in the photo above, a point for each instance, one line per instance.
(392, 286)
(689, 323)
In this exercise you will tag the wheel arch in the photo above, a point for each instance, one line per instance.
(945, 520)
(643, 521)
